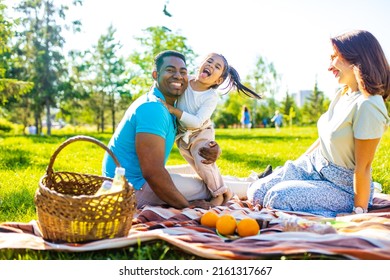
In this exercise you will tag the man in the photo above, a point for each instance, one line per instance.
(144, 139)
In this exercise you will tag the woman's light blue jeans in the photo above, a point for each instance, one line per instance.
(309, 184)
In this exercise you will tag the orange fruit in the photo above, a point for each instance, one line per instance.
(226, 224)
(209, 219)
(247, 227)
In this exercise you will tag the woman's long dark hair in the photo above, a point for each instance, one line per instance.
(235, 81)
(363, 51)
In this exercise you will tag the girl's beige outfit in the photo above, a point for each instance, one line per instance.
(196, 130)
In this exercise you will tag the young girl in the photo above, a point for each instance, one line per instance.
(194, 110)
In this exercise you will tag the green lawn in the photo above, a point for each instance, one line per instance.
(23, 160)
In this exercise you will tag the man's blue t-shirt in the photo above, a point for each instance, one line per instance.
(145, 115)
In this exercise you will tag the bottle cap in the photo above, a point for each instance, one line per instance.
(106, 185)
(120, 171)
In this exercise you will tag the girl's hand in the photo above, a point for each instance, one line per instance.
(169, 107)
(163, 102)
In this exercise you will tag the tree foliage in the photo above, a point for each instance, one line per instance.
(290, 109)
(155, 40)
(316, 104)
(265, 80)
(10, 88)
(108, 77)
(40, 48)
(95, 86)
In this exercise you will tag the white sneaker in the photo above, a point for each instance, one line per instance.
(253, 176)
(377, 187)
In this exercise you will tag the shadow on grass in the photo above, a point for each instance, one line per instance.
(58, 139)
(253, 162)
(38, 139)
(14, 158)
(152, 250)
(20, 156)
(265, 138)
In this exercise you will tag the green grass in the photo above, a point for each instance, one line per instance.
(23, 160)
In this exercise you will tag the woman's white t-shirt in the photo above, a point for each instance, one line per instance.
(349, 117)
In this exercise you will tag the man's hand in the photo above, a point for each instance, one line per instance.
(227, 196)
(200, 204)
(210, 153)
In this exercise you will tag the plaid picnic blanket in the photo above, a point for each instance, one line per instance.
(364, 236)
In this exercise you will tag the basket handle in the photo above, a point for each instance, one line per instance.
(49, 169)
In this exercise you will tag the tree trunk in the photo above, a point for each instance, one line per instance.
(102, 112)
(48, 117)
(102, 120)
(37, 121)
(113, 119)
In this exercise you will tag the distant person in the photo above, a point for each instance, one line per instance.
(265, 122)
(194, 110)
(334, 175)
(277, 120)
(245, 118)
(145, 136)
(32, 129)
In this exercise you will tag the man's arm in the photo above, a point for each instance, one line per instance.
(150, 151)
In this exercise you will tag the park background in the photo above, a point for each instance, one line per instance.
(83, 64)
(64, 83)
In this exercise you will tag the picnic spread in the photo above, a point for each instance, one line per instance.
(360, 236)
(75, 216)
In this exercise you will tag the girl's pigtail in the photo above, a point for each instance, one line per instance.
(234, 80)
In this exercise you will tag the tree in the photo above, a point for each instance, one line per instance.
(156, 40)
(224, 119)
(110, 76)
(100, 80)
(40, 45)
(264, 80)
(316, 104)
(9, 87)
(289, 108)
(75, 91)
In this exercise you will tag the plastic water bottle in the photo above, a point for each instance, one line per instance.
(116, 185)
(119, 180)
(105, 188)
(295, 223)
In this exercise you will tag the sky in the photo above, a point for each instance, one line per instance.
(291, 34)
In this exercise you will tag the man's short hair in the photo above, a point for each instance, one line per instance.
(159, 59)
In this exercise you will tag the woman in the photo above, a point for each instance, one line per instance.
(334, 175)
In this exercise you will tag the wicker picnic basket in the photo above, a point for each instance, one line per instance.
(69, 211)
